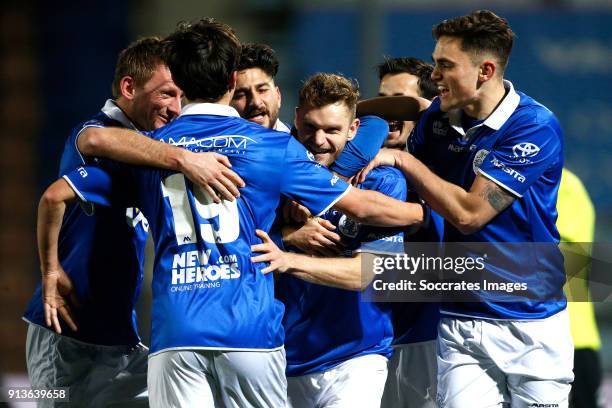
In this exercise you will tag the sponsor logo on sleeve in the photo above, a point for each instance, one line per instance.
(508, 170)
(82, 172)
(525, 149)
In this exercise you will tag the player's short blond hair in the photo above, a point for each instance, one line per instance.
(324, 89)
(139, 61)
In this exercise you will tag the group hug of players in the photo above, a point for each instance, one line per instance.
(191, 149)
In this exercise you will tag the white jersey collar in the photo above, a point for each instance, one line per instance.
(113, 111)
(497, 118)
(209, 109)
(281, 127)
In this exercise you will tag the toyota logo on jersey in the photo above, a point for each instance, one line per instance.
(525, 149)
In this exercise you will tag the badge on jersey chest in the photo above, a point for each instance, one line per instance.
(479, 159)
(348, 227)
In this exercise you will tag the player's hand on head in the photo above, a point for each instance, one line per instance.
(59, 299)
(294, 212)
(271, 253)
(212, 172)
(385, 157)
(315, 237)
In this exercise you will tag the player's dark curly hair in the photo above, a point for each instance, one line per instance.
(412, 66)
(139, 61)
(202, 57)
(258, 56)
(481, 31)
(324, 89)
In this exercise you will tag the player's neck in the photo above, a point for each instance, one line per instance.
(127, 109)
(489, 97)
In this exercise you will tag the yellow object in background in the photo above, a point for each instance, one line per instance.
(576, 223)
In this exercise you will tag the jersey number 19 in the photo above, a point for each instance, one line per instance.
(185, 217)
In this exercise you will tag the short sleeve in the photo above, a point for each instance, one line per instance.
(522, 156)
(103, 184)
(416, 141)
(309, 183)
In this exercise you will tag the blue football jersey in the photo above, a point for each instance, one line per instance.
(326, 326)
(519, 147)
(102, 253)
(207, 294)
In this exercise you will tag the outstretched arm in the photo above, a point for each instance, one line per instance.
(393, 107)
(374, 208)
(468, 211)
(343, 273)
(211, 171)
(57, 288)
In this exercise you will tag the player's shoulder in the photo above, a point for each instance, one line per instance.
(385, 179)
(433, 109)
(98, 120)
(531, 112)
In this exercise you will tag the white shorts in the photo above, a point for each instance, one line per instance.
(412, 378)
(487, 363)
(358, 382)
(207, 378)
(97, 376)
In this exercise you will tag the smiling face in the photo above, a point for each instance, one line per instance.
(393, 85)
(324, 131)
(257, 98)
(455, 74)
(156, 102)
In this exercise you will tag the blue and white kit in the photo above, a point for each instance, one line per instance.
(519, 147)
(207, 294)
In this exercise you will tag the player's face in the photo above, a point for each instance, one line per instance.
(455, 74)
(394, 85)
(157, 101)
(256, 98)
(324, 131)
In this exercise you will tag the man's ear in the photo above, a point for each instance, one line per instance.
(127, 87)
(279, 96)
(353, 128)
(231, 86)
(486, 70)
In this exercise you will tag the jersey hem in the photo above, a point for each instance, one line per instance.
(84, 343)
(186, 348)
(444, 313)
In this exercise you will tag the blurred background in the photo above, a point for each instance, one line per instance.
(57, 62)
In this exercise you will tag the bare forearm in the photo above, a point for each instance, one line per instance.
(130, 147)
(393, 107)
(374, 208)
(51, 210)
(343, 273)
(449, 200)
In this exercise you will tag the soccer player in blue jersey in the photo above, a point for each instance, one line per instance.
(216, 327)
(103, 362)
(496, 157)
(257, 97)
(337, 346)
